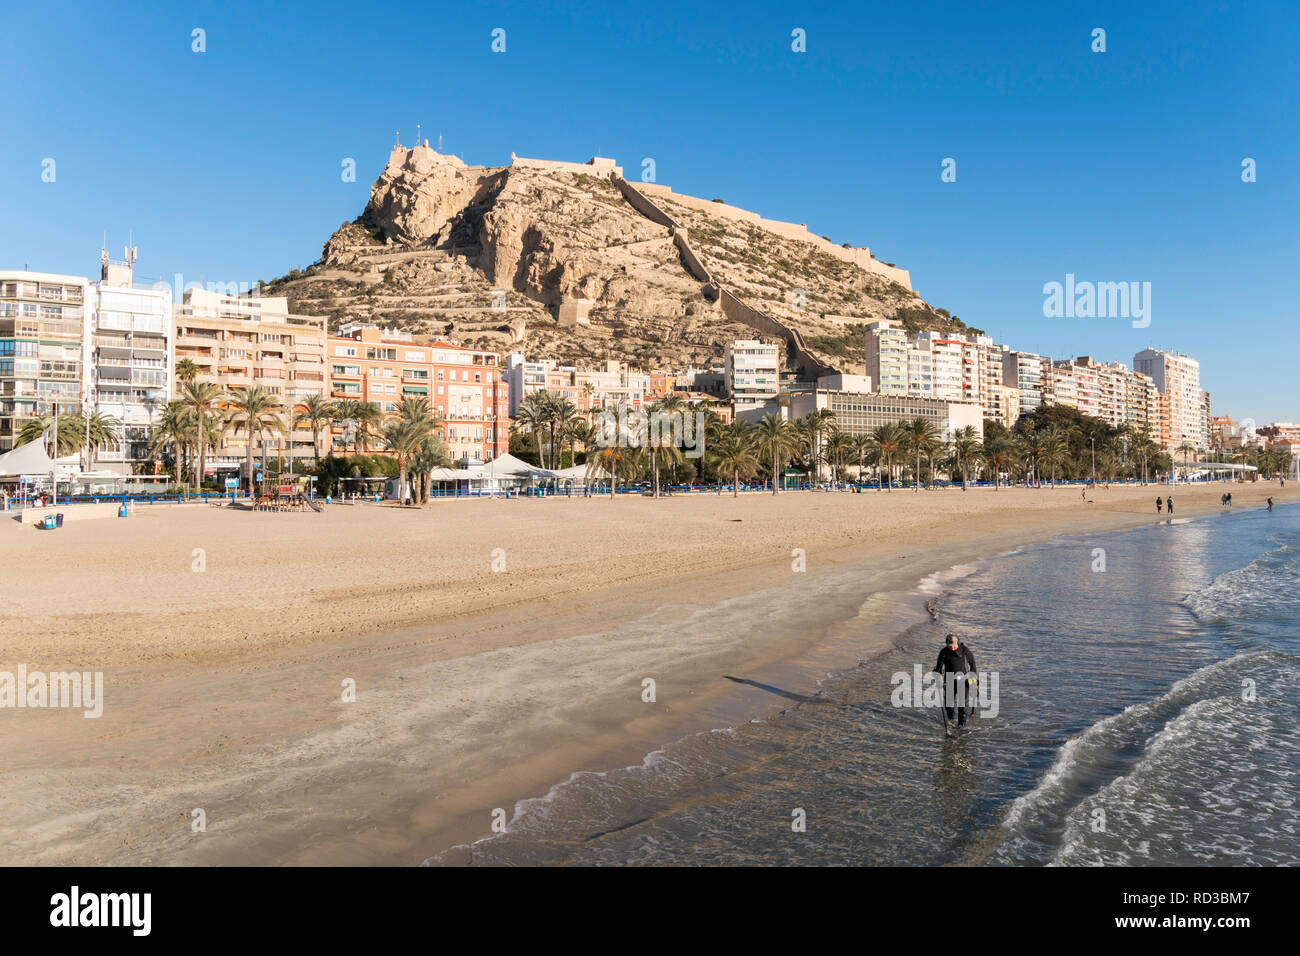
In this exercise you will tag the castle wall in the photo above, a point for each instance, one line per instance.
(693, 264)
(859, 257)
(643, 205)
(600, 166)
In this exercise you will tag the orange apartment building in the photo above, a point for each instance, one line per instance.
(465, 386)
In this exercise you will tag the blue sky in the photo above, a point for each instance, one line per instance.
(1115, 166)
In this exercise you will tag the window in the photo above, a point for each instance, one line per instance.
(349, 351)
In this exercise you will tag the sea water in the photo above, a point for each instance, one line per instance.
(1148, 714)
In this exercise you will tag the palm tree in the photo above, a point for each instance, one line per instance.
(404, 439)
(733, 452)
(660, 441)
(431, 454)
(174, 430)
(257, 410)
(99, 431)
(777, 438)
(1053, 449)
(316, 412)
(368, 418)
(918, 432)
(343, 416)
(966, 449)
(804, 431)
(186, 370)
(886, 442)
(823, 424)
(999, 453)
(201, 398)
(563, 416)
(581, 433)
(532, 417)
(69, 439)
(839, 444)
(612, 459)
(862, 445)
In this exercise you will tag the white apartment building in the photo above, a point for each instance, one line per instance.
(753, 375)
(1183, 416)
(128, 357)
(1024, 371)
(920, 374)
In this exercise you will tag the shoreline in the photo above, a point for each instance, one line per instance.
(405, 775)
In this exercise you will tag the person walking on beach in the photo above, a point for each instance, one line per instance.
(956, 658)
(1160, 504)
(1169, 504)
(1270, 504)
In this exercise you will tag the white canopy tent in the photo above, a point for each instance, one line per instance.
(29, 459)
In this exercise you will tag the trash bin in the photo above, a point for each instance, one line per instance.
(58, 519)
(122, 510)
(48, 522)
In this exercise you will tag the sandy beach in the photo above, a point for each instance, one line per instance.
(495, 646)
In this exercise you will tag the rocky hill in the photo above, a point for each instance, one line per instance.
(556, 260)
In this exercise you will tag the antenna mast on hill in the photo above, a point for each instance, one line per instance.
(417, 134)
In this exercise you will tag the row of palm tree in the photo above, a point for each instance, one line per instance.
(203, 415)
(69, 432)
(1046, 445)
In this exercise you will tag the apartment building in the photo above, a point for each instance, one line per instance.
(128, 357)
(1184, 418)
(239, 342)
(467, 388)
(887, 357)
(1084, 379)
(1026, 372)
(587, 389)
(42, 324)
(1002, 404)
(753, 370)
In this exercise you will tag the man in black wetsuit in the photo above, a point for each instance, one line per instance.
(956, 658)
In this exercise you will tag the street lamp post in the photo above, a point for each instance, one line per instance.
(1094, 459)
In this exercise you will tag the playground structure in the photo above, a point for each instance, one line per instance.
(277, 494)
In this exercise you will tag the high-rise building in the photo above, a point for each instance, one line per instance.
(1025, 371)
(753, 375)
(239, 342)
(887, 357)
(1183, 416)
(128, 360)
(42, 319)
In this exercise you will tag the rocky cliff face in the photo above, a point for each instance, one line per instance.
(487, 255)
